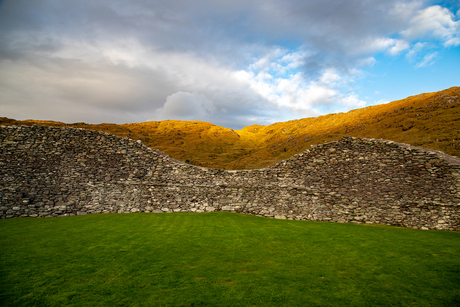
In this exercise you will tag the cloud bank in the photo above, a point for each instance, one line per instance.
(232, 64)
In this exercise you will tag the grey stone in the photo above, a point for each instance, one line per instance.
(47, 172)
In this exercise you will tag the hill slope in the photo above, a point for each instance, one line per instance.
(430, 120)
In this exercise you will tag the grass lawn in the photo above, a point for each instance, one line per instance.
(223, 259)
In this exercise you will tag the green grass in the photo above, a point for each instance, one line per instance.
(223, 259)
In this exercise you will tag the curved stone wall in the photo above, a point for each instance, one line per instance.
(48, 171)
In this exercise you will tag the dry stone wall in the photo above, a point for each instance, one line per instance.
(48, 171)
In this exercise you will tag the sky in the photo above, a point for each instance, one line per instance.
(231, 63)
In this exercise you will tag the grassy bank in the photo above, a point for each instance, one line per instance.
(223, 259)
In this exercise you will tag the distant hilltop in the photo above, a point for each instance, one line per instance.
(430, 120)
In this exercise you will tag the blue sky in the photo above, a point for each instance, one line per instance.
(232, 63)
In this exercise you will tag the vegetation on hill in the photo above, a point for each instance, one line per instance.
(430, 120)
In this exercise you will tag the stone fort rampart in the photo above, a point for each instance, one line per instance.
(48, 171)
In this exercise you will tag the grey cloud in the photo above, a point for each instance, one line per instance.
(208, 27)
(186, 106)
(213, 29)
(69, 91)
(58, 59)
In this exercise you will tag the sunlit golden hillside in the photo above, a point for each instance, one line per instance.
(430, 120)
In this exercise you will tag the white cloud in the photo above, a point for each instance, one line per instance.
(376, 44)
(398, 46)
(369, 61)
(423, 23)
(351, 101)
(453, 42)
(434, 21)
(428, 60)
(330, 76)
(267, 62)
(296, 94)
(381, 101)
(417, 48)
(372, 45)
(279, 61)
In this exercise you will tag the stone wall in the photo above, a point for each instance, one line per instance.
(48, 171)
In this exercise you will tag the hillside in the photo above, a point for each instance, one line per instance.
(429, 120)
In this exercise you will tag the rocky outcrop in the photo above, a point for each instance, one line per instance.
(48, 171)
